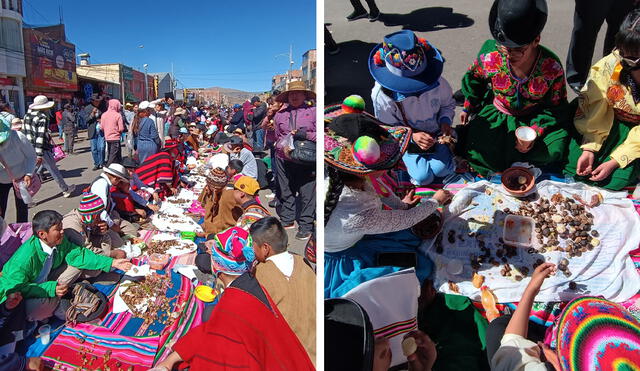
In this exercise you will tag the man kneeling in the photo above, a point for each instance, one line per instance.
(46, 264)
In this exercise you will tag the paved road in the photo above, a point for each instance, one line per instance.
(77, 169)
(458, 28)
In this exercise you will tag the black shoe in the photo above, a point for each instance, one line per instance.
(357, 15)
(373, 16)
(302, 236)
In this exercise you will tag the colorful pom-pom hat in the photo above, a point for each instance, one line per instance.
(596, 334)
(406, 63)
(356, 142)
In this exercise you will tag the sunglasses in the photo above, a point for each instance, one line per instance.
(513, 51)
(631, 63)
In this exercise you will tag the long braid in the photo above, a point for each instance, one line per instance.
(333, 193)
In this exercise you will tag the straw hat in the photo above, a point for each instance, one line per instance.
(295, 86)
(41, 102)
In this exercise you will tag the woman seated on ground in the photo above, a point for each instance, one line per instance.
(161, 171)
(353, 209)
(418, 98)
(514, 82)
(586, 336)
(607, 149)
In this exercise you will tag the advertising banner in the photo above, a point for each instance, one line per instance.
(50, 63)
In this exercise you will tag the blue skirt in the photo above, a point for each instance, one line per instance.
(145, 150)
(347, 269)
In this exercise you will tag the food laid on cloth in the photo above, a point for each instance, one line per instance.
(165, 243)
(501, 239)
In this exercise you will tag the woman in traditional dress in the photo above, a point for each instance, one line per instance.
(357, 229)
(514, 82)
(606, 150)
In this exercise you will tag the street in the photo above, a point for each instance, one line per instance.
(77, 169)
(457, 28)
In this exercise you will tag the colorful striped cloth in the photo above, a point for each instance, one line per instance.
(101, 349)
(157, 169)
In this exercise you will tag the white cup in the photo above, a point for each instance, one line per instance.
(525, 136)
(44, 331)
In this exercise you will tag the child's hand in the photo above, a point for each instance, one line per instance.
(543, 271)
(425, 356)
(584, 166)
(464, 118)
(442, 196)
(410, 198)
(381, 355)
(13, 300)
(61, 290)
(603, 171)
(423, 140)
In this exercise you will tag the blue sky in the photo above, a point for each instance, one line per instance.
(227, 43)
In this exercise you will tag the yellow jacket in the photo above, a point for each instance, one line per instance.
(600, 98)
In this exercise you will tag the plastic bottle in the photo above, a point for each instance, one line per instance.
(489, 303)
(24, 193)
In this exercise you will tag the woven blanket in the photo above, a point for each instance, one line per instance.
(92, 347)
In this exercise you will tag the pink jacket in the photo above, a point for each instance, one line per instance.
(111, 121)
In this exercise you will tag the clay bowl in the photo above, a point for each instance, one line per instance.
(518, 181)
(429, 227)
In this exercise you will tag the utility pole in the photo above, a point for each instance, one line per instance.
(146, 82)
(290, 62)
(173, 81)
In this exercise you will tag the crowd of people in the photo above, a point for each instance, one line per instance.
(411, 140)
(245, 150)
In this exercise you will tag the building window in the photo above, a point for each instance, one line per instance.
(10, 35)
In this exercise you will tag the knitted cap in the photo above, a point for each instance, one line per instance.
(90, 205)
(218, 177)
(596, 334)
(232, 252)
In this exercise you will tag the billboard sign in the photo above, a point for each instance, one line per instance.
(50, 63)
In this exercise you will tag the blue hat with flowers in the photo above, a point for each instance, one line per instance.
(406, 63)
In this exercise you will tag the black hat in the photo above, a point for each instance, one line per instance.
(516, 23)
(235, 141)
(129, 163)
(255, 99)
(348, 336)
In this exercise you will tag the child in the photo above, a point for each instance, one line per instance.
(210, 199)
(245, 192)
(45, 265)
(234, 170)
(410, 91)
(358, 145)
(606, 152)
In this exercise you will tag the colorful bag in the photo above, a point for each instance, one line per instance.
(58, 153)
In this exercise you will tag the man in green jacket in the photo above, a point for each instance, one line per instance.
(46, 264)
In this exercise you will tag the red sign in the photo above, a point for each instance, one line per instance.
(50, 63)
(51, 96)
(7, 81)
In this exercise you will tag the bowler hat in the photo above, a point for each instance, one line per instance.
(516, 23)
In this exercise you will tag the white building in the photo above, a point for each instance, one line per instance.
(12, 67)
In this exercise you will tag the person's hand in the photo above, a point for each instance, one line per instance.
(424, 358)
(118, 254)
(208, 246)
(423, 140)
(156, 197)
(550, 354)
(35, 364)
(27, 180)
(585, 163)
(442, 196)
(464, 118)
(154, 208)
(174, 191)
(122, 264)
(603, 171)
(381, 355)
(38, 161)
(287, 151)
(410, 198)
(522, 148)
(541, 272)
(103, 227)
(13, 300)
(61, 290)
(446, 129)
